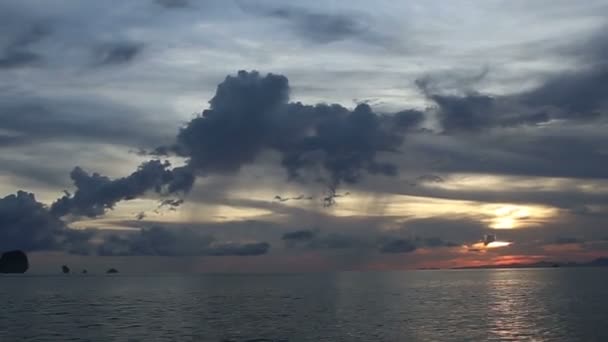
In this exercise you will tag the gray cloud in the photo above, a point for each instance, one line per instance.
(577, 95)
(392, 244)
(117, 53)
(314, 239)
(26, 224)
(18, 52)
(239, 249)
(566, 240)
(18, 58)
(251, 113)
(172, 4)
(322, 27)
(95, 193)
(371, 240)
(299, 235)
(573, 95)
(398, 246)
(295, 198)
(176, 242)
(35, 119)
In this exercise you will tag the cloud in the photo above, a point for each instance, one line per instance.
(371, 241)
(296, 198)
(251, 113)
(239, 249)
(28, 225)
(321, 27)
(160, 241)
(18, 52)
(398, 246)
(30, 120)
(566, 240)
(173, 4)
(238, 125)
(313, 239)
(477, 113)
(393, 245)
(117, 53)
(299, 235)
(96, 193)
(575, 95)
(16, 58)
(326, 26)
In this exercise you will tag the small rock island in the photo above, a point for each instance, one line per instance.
(14, 262)
(111, 271)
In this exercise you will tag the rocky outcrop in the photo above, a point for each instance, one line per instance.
(65, 269)
(112, 270)
(14, 262)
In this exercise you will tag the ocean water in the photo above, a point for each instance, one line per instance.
(464, 305)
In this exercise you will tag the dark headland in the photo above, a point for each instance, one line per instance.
(14, 262)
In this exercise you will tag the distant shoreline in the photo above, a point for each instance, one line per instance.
(599, 262)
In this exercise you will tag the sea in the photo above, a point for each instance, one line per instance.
(558, 304)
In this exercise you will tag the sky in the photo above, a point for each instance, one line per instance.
(267, 136)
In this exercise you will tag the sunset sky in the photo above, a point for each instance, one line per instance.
(221, 136)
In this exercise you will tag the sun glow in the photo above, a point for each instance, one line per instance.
(509, 217)
(482, 247)
(498, 244)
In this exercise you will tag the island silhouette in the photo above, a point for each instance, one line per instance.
(14, 262)
(65, 269)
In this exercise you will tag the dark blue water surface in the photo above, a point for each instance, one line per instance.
(465, 305)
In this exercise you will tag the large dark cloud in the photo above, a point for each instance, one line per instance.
(27, 224)
(239, 124)
(250, 113)
(96, 193)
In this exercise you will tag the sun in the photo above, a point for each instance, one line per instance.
(503, 223)
(509, 217)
